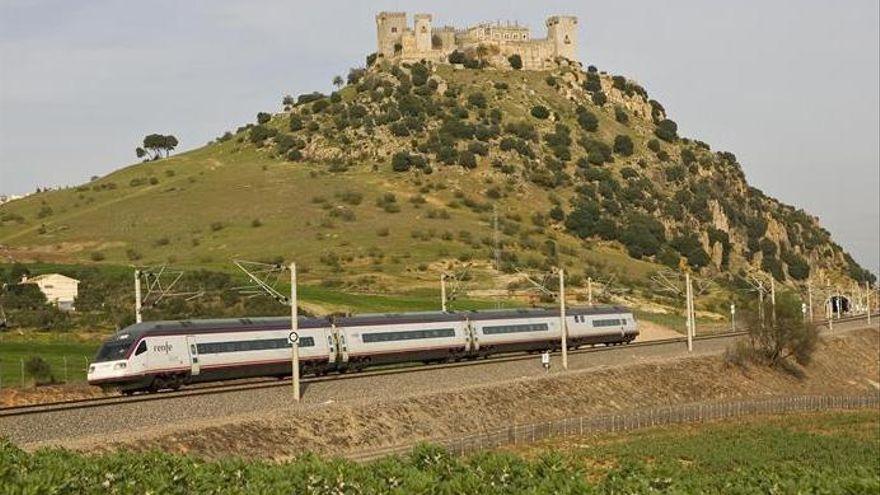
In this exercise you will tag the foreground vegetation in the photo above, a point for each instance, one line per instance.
(817, 453)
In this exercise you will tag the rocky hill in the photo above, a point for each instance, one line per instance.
(409, 169)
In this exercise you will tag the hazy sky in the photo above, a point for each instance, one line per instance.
(791, 87)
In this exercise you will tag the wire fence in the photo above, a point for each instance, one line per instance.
(26, 371)
(626, 421)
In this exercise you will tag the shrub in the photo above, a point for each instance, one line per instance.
(540, 112)
(515, 61)
(383, 232)
(467, 159)
(38, 369)
(599, 98)
(667, 130)
(256, 223)
(404, 160)
(263, 118)
(217, 226)
(522, 130)
(97, 256)
(296, 123)
(353, 198)
(388, 202)
(477, 100)
(787, 336)
(691, 249)
(620, 115)
(587, 120)
(623, 145)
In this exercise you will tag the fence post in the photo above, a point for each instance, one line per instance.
(21, 364)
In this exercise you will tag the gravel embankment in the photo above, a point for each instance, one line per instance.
(178, 416)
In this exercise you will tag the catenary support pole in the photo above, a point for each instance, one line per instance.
(868, 300)
(733, 317)
(590, 291)
(773, 301)
(690, 333)
(443, 292)
(810, 299)
(294, 327)
(137, 296)
(563, 328)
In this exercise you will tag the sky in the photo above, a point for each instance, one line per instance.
(791, 87)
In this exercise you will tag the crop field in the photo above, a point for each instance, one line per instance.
(815, 453)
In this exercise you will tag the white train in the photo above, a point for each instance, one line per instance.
(151, 356)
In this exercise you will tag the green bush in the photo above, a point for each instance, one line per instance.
(540, 112)
(599, 98)
(667, 130)
(620, 115)
(263, 118)
(623, 145)
(515, 61)
(477, 100)
(587, 120)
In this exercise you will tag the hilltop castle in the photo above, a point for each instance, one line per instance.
(397, 41)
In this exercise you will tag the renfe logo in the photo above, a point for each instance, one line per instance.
(166, 348)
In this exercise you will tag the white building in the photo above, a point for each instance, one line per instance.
(60, 290)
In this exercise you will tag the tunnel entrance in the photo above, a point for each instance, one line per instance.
(839, 305)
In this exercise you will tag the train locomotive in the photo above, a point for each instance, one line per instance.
(153, 356)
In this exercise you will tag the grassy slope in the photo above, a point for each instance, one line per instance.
(234, 184)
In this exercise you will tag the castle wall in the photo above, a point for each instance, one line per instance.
(423, 42)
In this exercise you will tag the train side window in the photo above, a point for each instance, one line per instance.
(141, 348)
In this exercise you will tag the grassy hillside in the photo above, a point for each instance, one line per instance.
(406, 171)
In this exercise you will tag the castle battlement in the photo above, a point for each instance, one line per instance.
(397, 40)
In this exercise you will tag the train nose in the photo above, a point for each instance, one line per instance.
(99, 372)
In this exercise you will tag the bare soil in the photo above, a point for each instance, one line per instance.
(843, 364)
(10, 397)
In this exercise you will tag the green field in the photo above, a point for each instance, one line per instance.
(817, 453)
(54, 349)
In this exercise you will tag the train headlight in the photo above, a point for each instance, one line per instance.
(119, 366)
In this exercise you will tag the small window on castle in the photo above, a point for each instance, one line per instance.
(424, 29)
(393, 29)
(567, 40)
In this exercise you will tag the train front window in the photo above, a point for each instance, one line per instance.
(112, 351)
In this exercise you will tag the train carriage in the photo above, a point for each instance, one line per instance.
(168, 354)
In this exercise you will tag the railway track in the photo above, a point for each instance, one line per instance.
(220, 388)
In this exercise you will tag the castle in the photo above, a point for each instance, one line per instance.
(497, 42)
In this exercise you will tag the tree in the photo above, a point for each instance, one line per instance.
(154, 145)
(263, 118)
(515, 61)
(338, 81)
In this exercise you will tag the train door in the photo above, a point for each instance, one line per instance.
(194, 366)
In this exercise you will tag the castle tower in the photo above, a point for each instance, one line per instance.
(562, 33)
(389, 31)
(423, 32)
